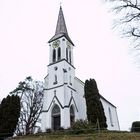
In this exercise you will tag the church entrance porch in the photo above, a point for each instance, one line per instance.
(56, 117)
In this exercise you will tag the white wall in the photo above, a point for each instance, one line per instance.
(79, 86)
(114, 123)
(64, 95)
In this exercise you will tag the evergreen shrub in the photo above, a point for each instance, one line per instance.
(95, 110)
(82, 126)
(135, 126)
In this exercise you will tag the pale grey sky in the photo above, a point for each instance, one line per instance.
(27, 25)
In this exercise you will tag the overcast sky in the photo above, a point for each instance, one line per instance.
(99, 53)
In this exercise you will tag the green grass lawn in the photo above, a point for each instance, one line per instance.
(95, 136)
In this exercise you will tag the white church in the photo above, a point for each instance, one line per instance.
(64, 101)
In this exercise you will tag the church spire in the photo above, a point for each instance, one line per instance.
(61, 29)
(61, 26)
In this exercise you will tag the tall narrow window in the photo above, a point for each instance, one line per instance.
(59, 54)
(55, 79)
(54, 55)
(70, 55)
(110, 116)
(67, 54)
(70, 81)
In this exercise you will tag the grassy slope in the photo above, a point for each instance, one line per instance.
(96, 136)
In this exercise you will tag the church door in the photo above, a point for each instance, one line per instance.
(56, 122)
(56, 117)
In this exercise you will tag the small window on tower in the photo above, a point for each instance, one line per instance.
(70, 55)
(70, 81)
(59, 53)
(54, 55)
(67, 54)
(55, 80)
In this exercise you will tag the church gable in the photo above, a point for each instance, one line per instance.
(55, 100)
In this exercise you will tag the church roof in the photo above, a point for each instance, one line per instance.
(61, 29)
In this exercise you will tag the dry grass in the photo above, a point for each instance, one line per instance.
(95, 136)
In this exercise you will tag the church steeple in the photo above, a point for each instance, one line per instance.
(61, 29)
(61, 25)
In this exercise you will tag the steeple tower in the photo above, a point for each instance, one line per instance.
(61, 46)
(59, 94)
(61, 29)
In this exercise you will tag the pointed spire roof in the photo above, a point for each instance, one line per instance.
(61, 25)
(61, 29)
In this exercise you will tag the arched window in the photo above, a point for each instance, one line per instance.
(54, 55)
(72, 115)
(70, 55)
(67, 54)
(59, 54)
(110, 116)
(55, 110)
(56, 117)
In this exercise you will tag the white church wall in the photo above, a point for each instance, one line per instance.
(111, 115)
(46, 81)
(63, 73)
(112, 118)
(55, 70)
(61, 96)
(45, 121)
(80, 100)
(65, 116)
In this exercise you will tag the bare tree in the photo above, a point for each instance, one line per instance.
(127, 13)
(31, 95)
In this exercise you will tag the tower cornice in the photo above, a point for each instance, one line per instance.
(61, 61)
